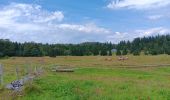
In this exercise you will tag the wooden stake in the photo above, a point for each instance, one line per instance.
(1, 74)
(17, 73)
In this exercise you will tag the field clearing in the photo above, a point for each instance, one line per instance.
(95, 78)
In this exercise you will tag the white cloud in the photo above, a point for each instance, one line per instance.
(138, 4)
(28, 12)
(153, 31)
(88, 28)
(119, 36)
(27, 22)
(155, 17)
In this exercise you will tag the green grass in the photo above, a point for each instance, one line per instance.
(97, 79)
(99, 84)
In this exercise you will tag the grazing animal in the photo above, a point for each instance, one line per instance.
(121, 58)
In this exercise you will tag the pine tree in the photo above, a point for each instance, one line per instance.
(118, 53)
(124, 52)
(136, 52)
(110, 52)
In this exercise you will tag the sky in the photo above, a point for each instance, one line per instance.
(77, 21)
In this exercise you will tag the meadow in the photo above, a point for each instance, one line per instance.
(94, 78)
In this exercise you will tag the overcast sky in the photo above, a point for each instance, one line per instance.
(76, 21)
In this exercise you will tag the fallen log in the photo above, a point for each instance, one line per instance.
(63, 70)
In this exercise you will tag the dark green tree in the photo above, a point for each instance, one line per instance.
(118, 53)
(124, 52)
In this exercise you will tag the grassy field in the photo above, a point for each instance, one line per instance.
(95, 78)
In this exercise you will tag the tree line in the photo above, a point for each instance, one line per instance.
(152, 45)
(31, 49)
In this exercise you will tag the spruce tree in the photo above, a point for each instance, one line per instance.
(118, 53)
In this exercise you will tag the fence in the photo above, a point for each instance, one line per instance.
(1, 75)
(30, 74)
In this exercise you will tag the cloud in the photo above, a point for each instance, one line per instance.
(155, 17)
(138, 4)
(28, 22)
(28, 12)
(119, 36)
(116, 37)
(88, 28)
(153, 31)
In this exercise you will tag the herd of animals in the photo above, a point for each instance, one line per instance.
(120, 58)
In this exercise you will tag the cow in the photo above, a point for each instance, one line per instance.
(121, 58)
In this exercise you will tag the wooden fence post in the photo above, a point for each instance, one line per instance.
(1, 75)
(17, 73)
